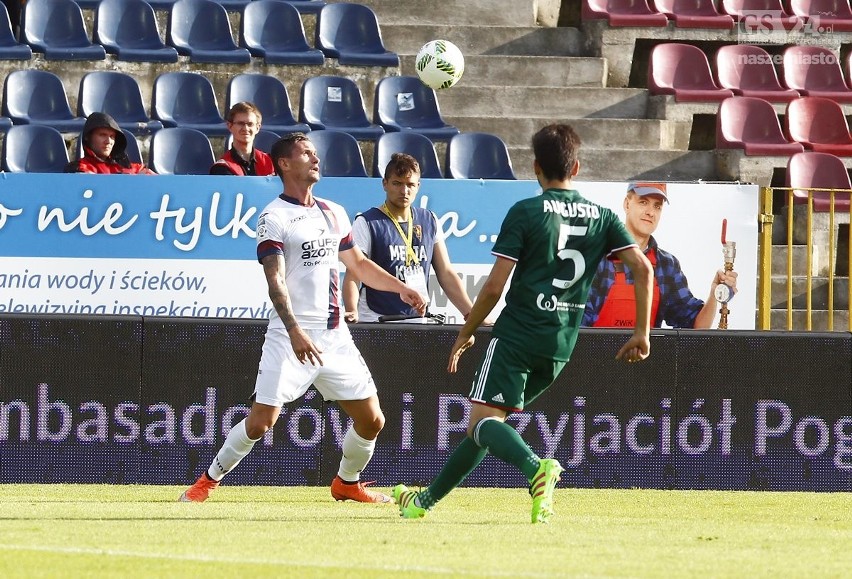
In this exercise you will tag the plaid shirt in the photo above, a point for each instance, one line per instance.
(678, 307)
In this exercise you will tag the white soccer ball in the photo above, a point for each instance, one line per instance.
(439, 64)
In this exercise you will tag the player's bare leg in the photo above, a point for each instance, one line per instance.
(358, 446)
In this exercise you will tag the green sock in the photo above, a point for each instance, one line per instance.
(505, 443)
(462, 461)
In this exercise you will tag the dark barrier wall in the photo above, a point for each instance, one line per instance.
(132, 400)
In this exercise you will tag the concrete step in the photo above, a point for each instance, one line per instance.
(628, 164)
(819, 320)
(800, 256)
(405, 39)
(594, 133)
(454, 12)
(564, 71)
(543, 102)
(819, 292)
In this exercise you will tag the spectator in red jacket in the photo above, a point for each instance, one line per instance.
(105, 149)
(243, 158)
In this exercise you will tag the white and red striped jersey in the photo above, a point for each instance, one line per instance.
(310, 239)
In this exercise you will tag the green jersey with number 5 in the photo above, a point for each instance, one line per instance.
(557, 240)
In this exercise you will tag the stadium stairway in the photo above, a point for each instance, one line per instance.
(522, 71)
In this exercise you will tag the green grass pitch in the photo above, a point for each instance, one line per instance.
(141, 531)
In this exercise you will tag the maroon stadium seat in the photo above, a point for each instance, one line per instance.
(833, 14)
(818, 123)
(758, 14)
(683, 70)
(623, 12)
(694, 14)
(748, 71)
(815, 71)
(819, 170)
(751, 124)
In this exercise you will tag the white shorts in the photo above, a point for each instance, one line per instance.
(281, 378)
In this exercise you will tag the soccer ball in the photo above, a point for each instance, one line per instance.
(439, 64)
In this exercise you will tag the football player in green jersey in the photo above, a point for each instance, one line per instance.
(553, 242)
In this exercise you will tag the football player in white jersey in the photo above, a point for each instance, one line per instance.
(300, 240)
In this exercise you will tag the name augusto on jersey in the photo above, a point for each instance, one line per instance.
(571, 209)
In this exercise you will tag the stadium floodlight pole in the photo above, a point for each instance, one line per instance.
(723, 292)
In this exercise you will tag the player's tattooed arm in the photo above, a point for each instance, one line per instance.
(273, 268)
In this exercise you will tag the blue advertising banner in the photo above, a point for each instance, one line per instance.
(185, 245)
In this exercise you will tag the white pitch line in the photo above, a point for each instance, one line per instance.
(241, 560)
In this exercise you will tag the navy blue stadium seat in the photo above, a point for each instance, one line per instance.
(10, 48)
(88, 4)
(5, 124)
(187, 99)
(339, 154)
(273, 29)
(134, 153)
(180, 151)
(128, 29)
(201, 30)
(56, 29)
(478, 156)
(263, 140)
(350, 33)
(118, 95)
(335, 102)
(270, 96)
(415, 144)
(307, 6)
(403, 103)
(34, 149)
(164, 5)
(37, 97)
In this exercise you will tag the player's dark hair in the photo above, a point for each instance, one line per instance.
(244, 107)
(401, 165)
(556, 148)
(284, 146)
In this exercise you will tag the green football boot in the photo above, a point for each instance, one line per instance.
(405, 499)
(541, 489)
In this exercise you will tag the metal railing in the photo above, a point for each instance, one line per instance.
(766, 220)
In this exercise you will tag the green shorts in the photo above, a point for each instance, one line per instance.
(511, 378)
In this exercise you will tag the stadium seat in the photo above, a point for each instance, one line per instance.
(350, 33)
(128, 29)
(748, 71)
(164, 5)
(307, 6)
(118, 95)
(187, 99)
(815, 71)
(263, 140)
(415, 144)
(180, 151)
(37, 97)
(34, 149)
(335, 102)
(10, 48)
(270, 96)
(818, 171)
(751, 124)
(833, 14)
(273, 29)
(403, 103)
(56, 29)
(622, 12)
(683, 70)
(201, 30)
(134, 153)
(339, 154)
(478, 156)
(694, 14)
(759, 15)
(819, 124)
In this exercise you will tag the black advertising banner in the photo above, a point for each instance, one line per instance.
(132, 400)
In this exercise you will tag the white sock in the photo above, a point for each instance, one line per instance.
(357, 452)
(237, 446)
